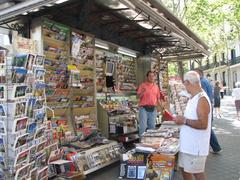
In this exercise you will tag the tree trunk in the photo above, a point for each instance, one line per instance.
(180, 69)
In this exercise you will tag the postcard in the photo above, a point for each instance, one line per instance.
(43, 173)
(18, 75)
(30, 62)
(22, 157)
(39, 74)
(3, 92)
(2, 111)
(19, 91)
(30, 106)
(2, 162)
(33, 173)
(39, 89)
(20, 109)
(2, 128)
(39, 116)
(2, 73)
(20, 124)
(32, 154)
(39, 60)
(32, 128)
(41, 146)
(22, 172)
(30, 83)
(2, 57)
(40, 132)
(20, 60)
(41, 159)
(55, 155)
(2, 145)
(21, 141)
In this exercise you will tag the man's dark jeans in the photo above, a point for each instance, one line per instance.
(214, 142)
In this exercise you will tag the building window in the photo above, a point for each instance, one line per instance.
(215, 77)
(223, 57)
(235, 79)
(224, 78)
(233, 54)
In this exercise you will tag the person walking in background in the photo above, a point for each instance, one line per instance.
(195, 129)
(217, 99)
(149, 94)
(216, 148)
(222, 90)
(236, 95)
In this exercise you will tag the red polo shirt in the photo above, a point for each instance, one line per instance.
(151, 95)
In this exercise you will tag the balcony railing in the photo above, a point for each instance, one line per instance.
(235, 60)
(221, 63)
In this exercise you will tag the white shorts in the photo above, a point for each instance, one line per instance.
(191, 163)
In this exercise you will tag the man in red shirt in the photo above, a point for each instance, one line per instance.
(150, 95)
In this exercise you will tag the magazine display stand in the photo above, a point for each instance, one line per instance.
(96, 158)
(56, 46)
(154, 156)
(82, 82)
(118, 118)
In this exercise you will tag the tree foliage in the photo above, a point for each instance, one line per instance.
(215, 21)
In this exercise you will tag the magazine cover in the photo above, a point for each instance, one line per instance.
(160, 167)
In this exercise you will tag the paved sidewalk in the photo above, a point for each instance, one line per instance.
(223, 166)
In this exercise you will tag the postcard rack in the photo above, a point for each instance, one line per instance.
(26, 137)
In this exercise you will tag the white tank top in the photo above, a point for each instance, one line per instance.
(195, 141)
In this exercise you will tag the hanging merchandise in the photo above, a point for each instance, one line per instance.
(82, 83)
(179, 97)
(126, 74)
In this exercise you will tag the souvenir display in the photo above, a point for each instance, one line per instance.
(163, 75)
(155, 68)
(126, 73)
(179, 97)
(106, 67)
